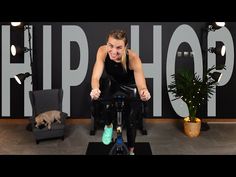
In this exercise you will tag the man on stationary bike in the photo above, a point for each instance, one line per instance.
(124, 68)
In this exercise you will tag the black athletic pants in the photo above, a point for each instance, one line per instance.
(131, 110)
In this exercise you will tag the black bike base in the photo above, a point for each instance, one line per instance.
(98, 148)
(119, 149)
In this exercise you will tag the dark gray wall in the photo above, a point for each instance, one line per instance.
(96, 34)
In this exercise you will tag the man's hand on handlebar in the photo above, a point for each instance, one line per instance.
(95, 94)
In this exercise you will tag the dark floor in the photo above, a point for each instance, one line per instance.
(164, 138)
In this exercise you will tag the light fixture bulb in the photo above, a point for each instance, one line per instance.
(13, 50)
(221, 24)
(223, 50)
(17, 80)
(15, 23)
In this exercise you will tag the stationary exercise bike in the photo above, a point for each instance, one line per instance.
(117, 104)
(119, 148)
(98, 105)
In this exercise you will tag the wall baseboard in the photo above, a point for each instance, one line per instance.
(84, 121)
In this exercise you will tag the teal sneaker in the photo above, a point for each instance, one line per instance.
(107, 134)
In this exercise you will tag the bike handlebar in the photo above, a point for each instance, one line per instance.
(110, 99)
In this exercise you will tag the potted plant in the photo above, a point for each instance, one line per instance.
(194, 91)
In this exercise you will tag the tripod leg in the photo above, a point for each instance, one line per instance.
(125, 149)
(113, 150)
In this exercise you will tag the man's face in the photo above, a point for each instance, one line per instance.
(115, 48)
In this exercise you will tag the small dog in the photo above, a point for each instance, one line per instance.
(47, 118)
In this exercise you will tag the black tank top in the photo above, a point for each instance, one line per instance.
(117, 73)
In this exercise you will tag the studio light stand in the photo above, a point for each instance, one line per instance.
(14, 49)
(29, 125)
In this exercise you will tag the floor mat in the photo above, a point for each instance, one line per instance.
(98, 148)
